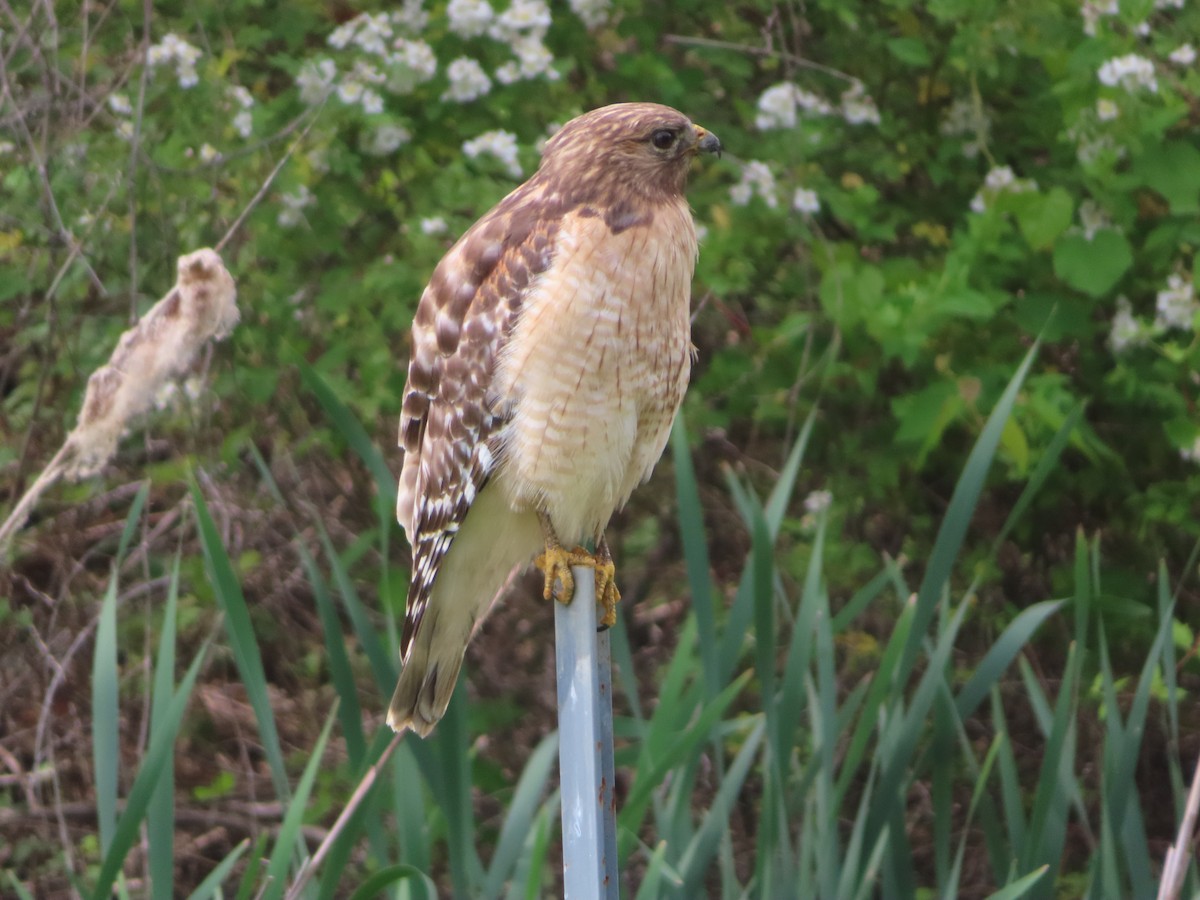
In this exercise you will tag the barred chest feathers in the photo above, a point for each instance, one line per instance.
(596, 367)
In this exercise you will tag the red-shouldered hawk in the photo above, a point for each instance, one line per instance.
(551, 351)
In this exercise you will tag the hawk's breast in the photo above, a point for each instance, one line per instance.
(596, 366)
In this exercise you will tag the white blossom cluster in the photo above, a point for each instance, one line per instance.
(806, 201)
(818, 501)
(468, 81)
(1168, 4)
(243, 122)
(294, 205)
(120, 104)
(1107, 110)
(966, 118)
(1131, 72)
(756, 179)
(1000, 180)
(1092, 11)
(174, 49)
(1175, 306)
(1093, 218)
(316, 80)
(778, 106)
(1126, 331)
(385, 139)
(470, 18)
(857, 107)
(591, 12)
(501, 145)
(434, 225)
(1183, 55)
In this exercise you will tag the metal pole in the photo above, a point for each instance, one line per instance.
(585, 746)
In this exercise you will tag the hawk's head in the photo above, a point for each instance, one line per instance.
(642, 149)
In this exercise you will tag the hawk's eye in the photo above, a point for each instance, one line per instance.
(663, 138)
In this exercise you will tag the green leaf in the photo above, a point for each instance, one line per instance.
(1094, 266)
(1045, 217)
(1173, 170)
(909, 50)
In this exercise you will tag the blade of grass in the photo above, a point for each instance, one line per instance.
(242, 640)
(160, 749)
(696, 857)
(275, 881)
(695, 555)
(106, 716)
(210, 887)
(1021, 887)
(395, 874)
(957, 521)
(106, 740)
(160, 815)
(996, 661)
(520, 815)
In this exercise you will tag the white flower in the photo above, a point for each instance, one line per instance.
(316, 80)
(1183, 55)
(367, 73)
(533, 59)
(1126, 330)
(386, 139)
(412, 63)
(1093, 218)
(434, 225)
(7, 147)
(741, 193)
(522, 17)
(857, 107)
(1106, 110)
(966, 117)
(208, 153)
(1130, 72)
(777, 107)
(372, 103)
(1000, 180)
(806, 201)
(469, 18)
(241, 96)
(1176, 306)
(1092, 12)
(125, 129)
(591, 12)
(701, 233)
(500, 144)
(293, 206)
(243, 123)
(818, 501)
(1142, 29)
(350, 92)
(368, 31)
(120, 104)
(173, 48)
(468, 81)
(756, 179)
(1168, 4)
(411, 17)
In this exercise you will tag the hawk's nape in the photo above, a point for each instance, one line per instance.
(551, 350)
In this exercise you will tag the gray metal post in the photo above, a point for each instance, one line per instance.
(585, 746)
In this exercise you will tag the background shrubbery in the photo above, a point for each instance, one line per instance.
(913, 194)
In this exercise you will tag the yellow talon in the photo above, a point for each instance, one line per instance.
(556, 564)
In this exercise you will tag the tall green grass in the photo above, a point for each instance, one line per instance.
(758, 769)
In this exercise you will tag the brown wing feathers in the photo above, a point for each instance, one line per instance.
(462, 322)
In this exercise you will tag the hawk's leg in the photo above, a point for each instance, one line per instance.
(607, 594)
(556, 563)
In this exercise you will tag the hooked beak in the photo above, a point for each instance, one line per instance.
(707, 141)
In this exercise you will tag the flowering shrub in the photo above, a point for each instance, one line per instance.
(913, 192)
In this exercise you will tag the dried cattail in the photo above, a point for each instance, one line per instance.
(202, 306)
